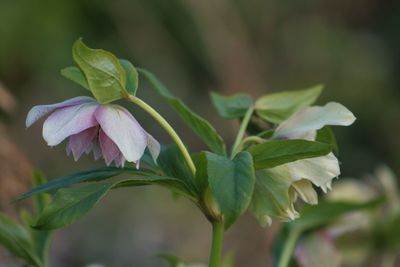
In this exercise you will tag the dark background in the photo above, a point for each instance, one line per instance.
(255, 46)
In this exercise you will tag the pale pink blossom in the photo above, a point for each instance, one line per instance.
(109, 130)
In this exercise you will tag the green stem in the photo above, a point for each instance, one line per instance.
(288, 248)
(168, 128)
(216, 246)
(242, 131)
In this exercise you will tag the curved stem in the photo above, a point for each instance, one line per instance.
(242, 130)
(168, 128)
(289, 248)
(216, 246)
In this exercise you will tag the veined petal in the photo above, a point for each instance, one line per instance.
(120, 160)
(81, 142)
(120, 126)
(319, 170)
(314, 118)
(96, 149)
(39, 111)
(153, 146)
(109, 149)
(68, 121)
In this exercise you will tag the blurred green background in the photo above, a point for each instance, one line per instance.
(256, 46)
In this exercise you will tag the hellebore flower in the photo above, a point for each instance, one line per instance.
(109, 130)
(319, 170)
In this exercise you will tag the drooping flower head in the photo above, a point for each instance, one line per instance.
(109, 130)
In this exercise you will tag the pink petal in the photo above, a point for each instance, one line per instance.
(81, 142)
(120, 126)
(68, 121)
(154, 147)
(109, 149)
(39, 111)
(120, 161)
(96, 149)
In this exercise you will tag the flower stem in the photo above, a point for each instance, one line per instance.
(168, 128)
(216, 246)
(289, 247)
(242, 130)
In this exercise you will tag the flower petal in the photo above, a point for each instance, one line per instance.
(120, 126)
(320, 170)
(109, 149)
(81, 142)
(120, 160)
(306, 191)
(68, 121)
(39, 111)
(314, 118)
(154, 147)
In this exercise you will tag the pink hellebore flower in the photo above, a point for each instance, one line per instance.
(108, 130)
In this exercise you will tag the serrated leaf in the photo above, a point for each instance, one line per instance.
(198, 124)
(278, 106)
(103, 72)
(231, 183)
(90, 175)
(132, 76)
(277, 152)
(326, 135)
(231, 107)
(70, 204)
(76, 75)
(16, 240)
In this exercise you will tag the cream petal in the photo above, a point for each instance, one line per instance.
(68, 121)
(306, 191)
(120, 126)
(39, 111)
(313, 118)
(319, 170)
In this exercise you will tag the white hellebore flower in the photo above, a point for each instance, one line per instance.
(319, 171)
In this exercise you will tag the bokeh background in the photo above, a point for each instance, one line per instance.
(256, 46)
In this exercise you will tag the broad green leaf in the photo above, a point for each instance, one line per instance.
(231, 107)
(132, 76)
(277, 152)
(95, 174)
(278, 106)
(199, 125)
(326, 135)
(16, 240)
(173, 164)
(75, 74)
(231, 183)
(326, 212)
(70, 204)
(104, 73)
(271, 196)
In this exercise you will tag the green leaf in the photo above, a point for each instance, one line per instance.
(132, 76)
(278, 106)
(326, 212)
(277, 152)
(199, 125)
(16, 240)
(271, 195)
(231, 183)
(70, 204)
(231, 107)
(173, 164)
(75, 74)
(326, 135)
(104, 73)
(95, 174)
